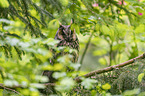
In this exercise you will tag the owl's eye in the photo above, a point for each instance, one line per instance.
(61, 30)
(71, 32)
(62, 33)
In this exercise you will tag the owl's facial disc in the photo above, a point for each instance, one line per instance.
(65, 33)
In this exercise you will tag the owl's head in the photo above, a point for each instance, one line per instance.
(66, 33)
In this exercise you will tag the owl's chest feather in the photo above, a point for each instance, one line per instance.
(72, 44)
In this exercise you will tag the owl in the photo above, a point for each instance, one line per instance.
(66, 37)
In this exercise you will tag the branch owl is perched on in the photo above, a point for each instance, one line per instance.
(68, 37)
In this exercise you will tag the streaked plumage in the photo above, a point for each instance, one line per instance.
(68, 37)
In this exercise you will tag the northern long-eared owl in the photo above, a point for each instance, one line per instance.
(68, 37)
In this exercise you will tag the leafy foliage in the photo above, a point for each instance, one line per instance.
(114, 29)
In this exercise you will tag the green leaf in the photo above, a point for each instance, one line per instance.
(140, 76)
(140, 29)
(59, 74)
(76, 28)
(64, 2)
(65, 59)
(58, 67)
(11, 83)
(12, 41)
(50, 41)
(6, 21)
(141, 94)
(97, 27)
(105, 30)
(24, 44)
(4, 3)
(37, 85)
(41, 78)
(66, 84)
(131, 92)
(53, 24)
(43, 51)
(102, 61)
(88, 83)
(8, 27)
(106, 86)
(75, 66)
(24, 84)
(100, 52)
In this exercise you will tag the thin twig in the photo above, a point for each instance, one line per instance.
(49, 84)
(110, 55)
(3, 87)
(86, 47)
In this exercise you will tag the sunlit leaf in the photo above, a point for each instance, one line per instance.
(65, 59)
(12, 41)
(24, 44)
(75, 66)
(140, 77)
(53, 24)
(93, 92)
(11, 83)
(4, 3)
(82, 73)
(35, 93)
(41, 78)
(140, 28)
(50, 41)
(1, 79)
(41, 86)
(88, 83)
(59, 74)
(66, 84)
(106, 86)
(24, 84)
(131, 92)
(25, 91)
(99, 52)
(105, 30)
(5, 20)
(64, 2)
(48, 67)
(76, 28)
(102, 61)
(58, 66)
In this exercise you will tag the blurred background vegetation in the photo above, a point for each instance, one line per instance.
(109, 31)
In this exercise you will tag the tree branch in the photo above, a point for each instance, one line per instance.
(107, 69)
(3, 87)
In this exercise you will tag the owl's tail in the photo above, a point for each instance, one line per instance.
(49, 89)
